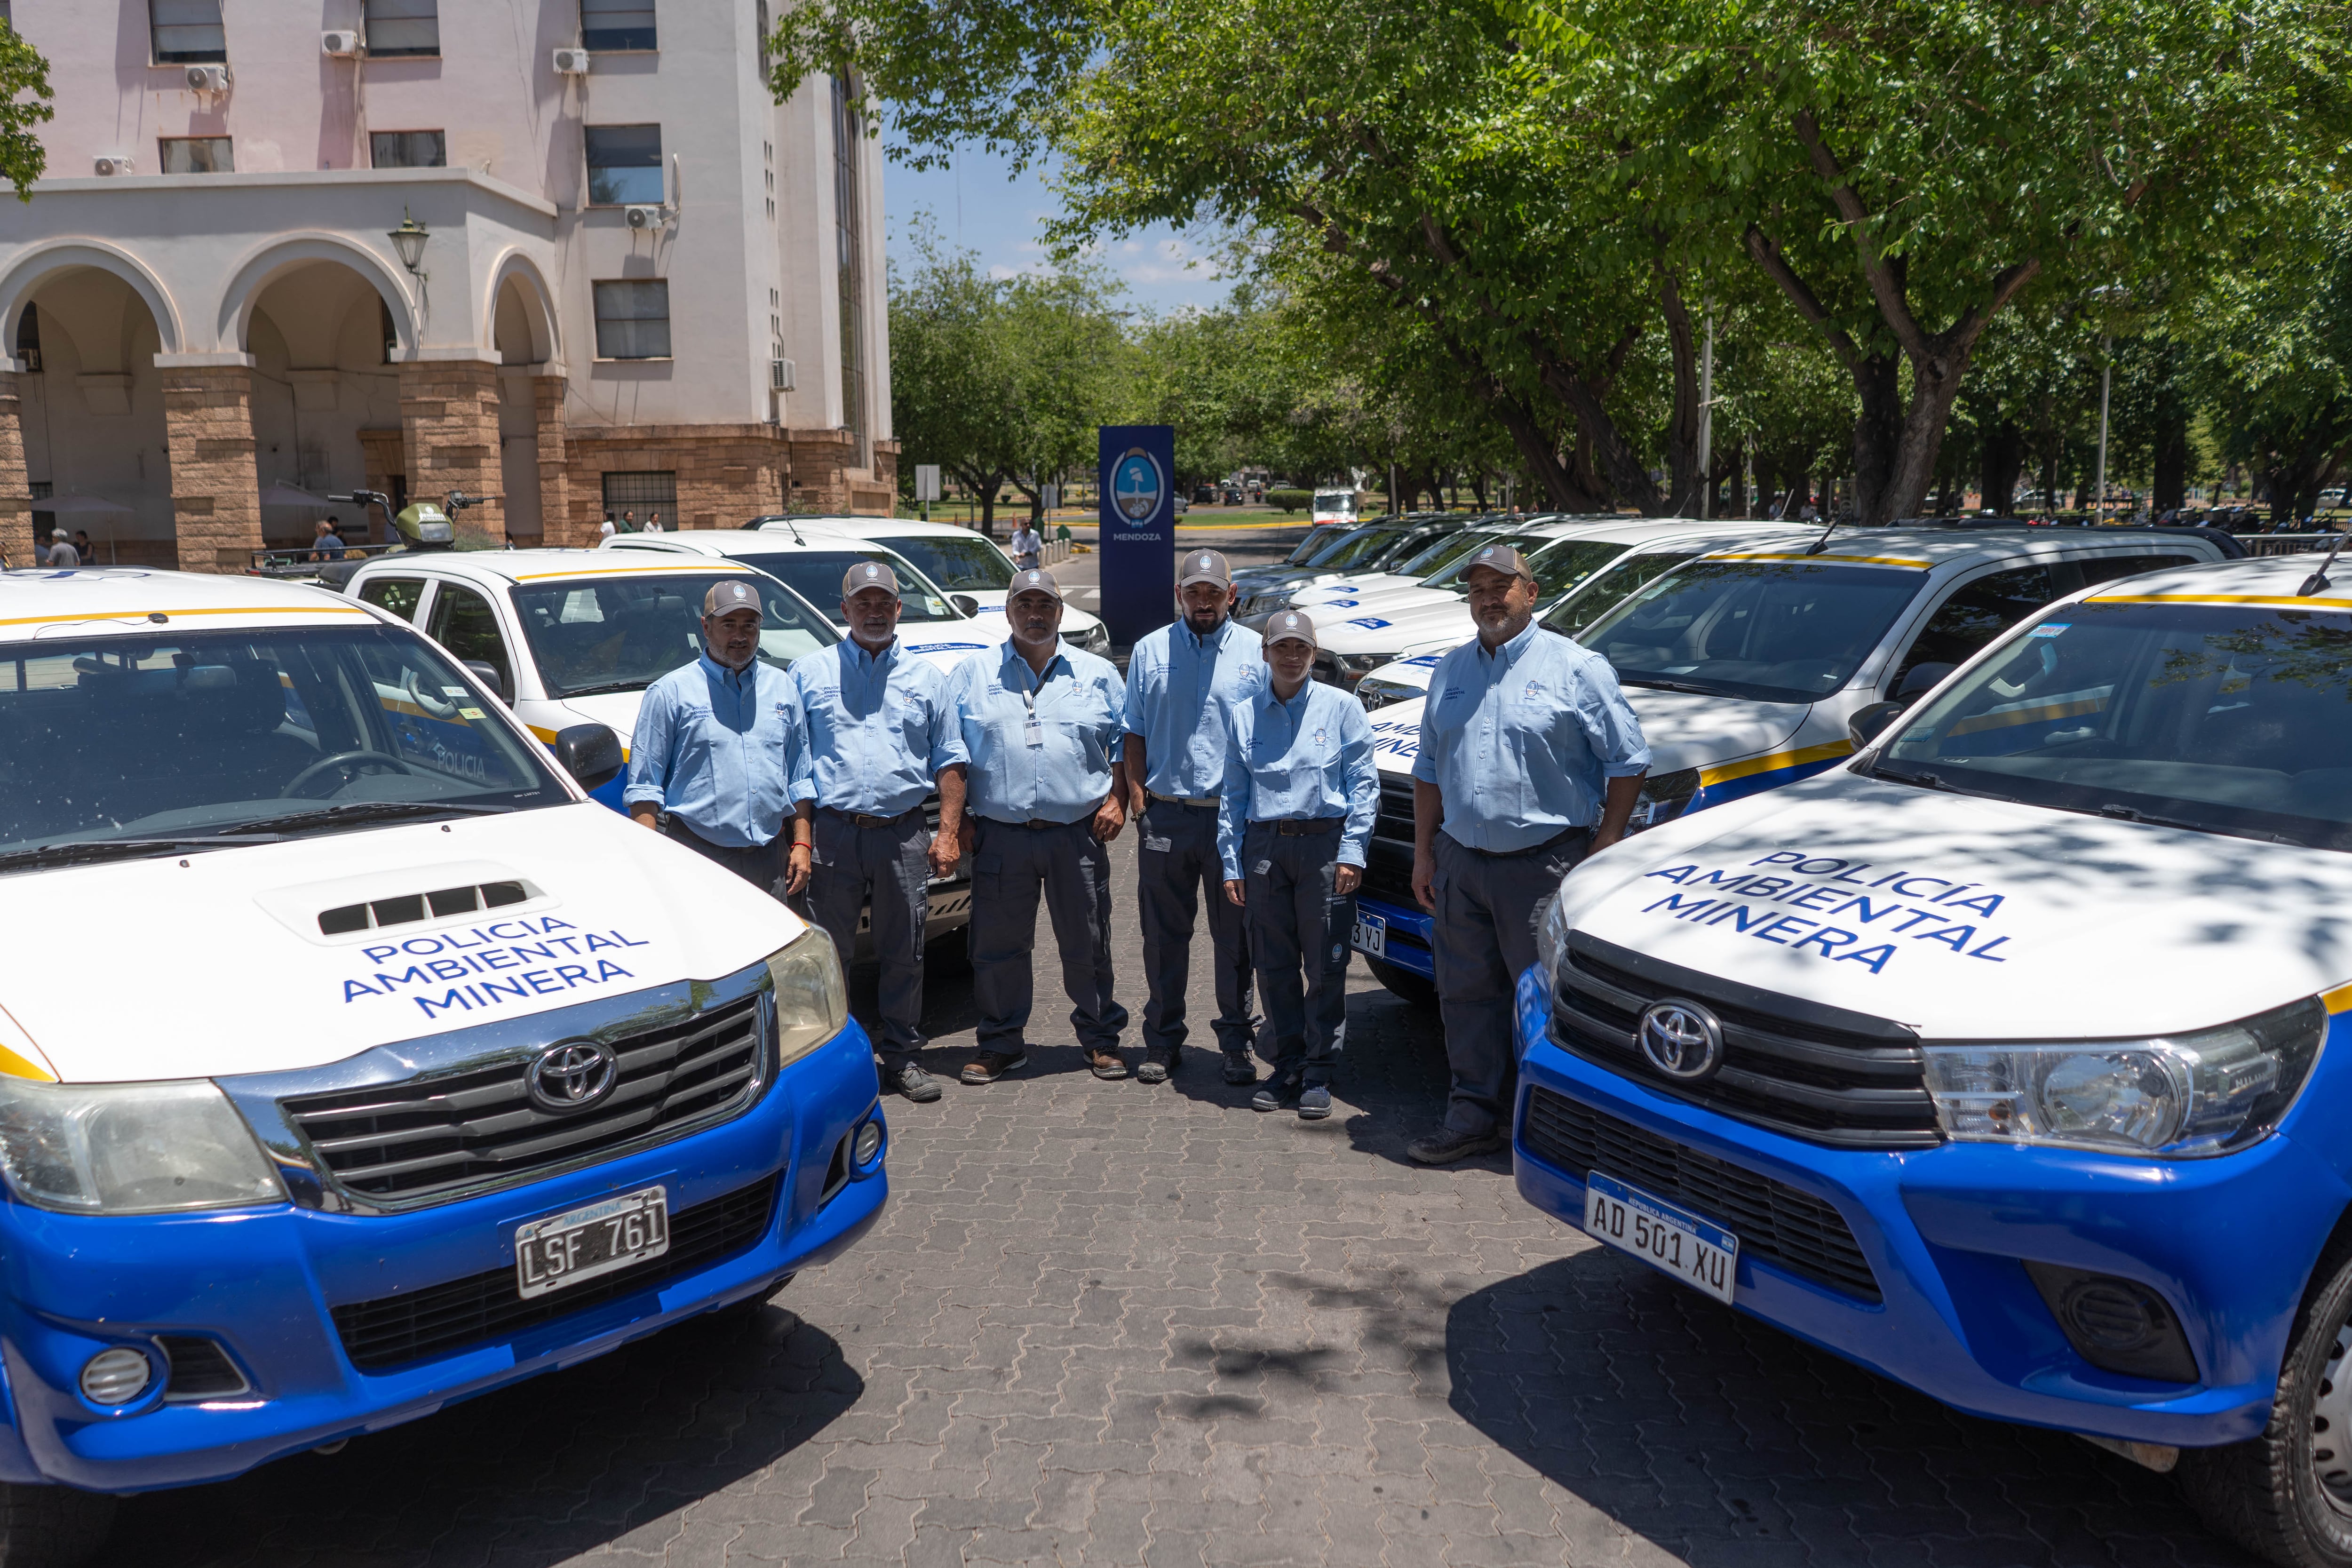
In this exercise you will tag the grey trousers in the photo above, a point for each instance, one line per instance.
(891, 866)
(1298, 932)
(1010, 866)
(1176, 867)
(1483, 937)
(761, 864)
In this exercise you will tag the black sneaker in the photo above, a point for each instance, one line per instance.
(1239, 1068)
(1151, 1070)
(1314, 1103)
(1444, 1146)
(1275, 1094)
(913, 1083)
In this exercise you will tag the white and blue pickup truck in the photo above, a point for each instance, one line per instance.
(957, 562)
(419, 1073)
(2008, 1059)
(1745, 665)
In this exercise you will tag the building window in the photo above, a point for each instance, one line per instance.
(186, 32)
(391, 333)
(644, 494)
(29, 340)
(616, 24)
(407, 150)
(197, 155)
(624, 164)
(404, 27)
(848, 136)
(632, 318)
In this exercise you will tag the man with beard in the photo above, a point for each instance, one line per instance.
(1179, 680)
(1530, 760)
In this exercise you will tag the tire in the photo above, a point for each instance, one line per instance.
(2287, 1494)
(1404, 983)
(51, 1526)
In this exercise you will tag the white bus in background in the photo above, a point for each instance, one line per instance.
(1333, 506)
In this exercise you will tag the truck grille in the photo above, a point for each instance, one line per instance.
(1388, 871)
(1818, 1073)
(1791, 1230)
(427, 1136)
(439, 1319)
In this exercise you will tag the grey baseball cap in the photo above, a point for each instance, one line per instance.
(1202, 567)
(1502, 558)
(1289, 626)
(869, 574)
(1033, 581)
(732, 594)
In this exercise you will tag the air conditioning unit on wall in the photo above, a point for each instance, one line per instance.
(571, 62)
(341, 43)
(115, 165)
(208, 78)
(780, 375)
(644, 216)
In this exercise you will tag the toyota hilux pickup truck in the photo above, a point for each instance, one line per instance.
(2004, 1058)
(421, 1073)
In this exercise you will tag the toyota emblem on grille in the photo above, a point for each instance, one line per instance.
(1681, 1040)
(572, 1076)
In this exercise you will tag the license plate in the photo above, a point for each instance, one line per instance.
(1676, 1240)
(568, 1249)
(1372, 935)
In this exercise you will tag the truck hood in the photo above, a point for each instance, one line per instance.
(1380, 628)
(1969, 918)
(1684, 730)
(224, 971)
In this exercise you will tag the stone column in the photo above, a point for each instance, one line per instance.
(558, 526)
(449, 417)
(215, 488)
(15, 492)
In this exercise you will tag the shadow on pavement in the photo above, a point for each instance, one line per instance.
(533, 1475)
(1726, 1442)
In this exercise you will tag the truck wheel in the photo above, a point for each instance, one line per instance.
(51, 1526)
(1404, 983)
(2287, 1494)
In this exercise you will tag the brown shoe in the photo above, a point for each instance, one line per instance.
(1106, 1064)
(990, 1066)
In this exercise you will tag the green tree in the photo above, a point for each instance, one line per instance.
(25, 102)
(951, 391)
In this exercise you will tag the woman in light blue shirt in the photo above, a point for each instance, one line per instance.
(1300, 796)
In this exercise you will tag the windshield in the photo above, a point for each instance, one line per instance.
(116, 740)
(1563, 565)
(1334, 500)
(623, 632)
(816, 576)
(960, 565)
(1320, 535)
(1452, 577)
(2227, 718)
(1593, 597)
(1354, 548)
(1437, 554)
(1769, 631)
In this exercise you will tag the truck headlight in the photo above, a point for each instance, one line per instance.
(2175, 1096)
(130, 1148)
(1552, 935)
(811, 1001)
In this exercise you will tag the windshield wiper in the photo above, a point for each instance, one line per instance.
(608, 688)
(350, 813)
(79, 851)
(1658, 684)
(1927, 780)
(2151, 819)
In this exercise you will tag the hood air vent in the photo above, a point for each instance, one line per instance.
(412, 907)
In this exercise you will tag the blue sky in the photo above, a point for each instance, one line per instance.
(982, 205)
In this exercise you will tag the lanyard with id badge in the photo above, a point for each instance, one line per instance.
(1034, 729)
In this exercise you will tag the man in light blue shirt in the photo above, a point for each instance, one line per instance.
(881, 733)
(1178, 680)
(1300, 794)
(1042, 722)
(719, 749)
(1530, 758)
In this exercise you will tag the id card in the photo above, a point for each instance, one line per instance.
(1033, 732)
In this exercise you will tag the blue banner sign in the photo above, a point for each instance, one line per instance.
(1138, 475)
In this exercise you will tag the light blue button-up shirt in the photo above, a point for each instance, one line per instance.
(1522, 742)
(721, 750)
(1309, 757)
(880, 727)
(1176, 682)
(1081, 728)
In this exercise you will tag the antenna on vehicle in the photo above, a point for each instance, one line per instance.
(2318, 580)
(1818, 545)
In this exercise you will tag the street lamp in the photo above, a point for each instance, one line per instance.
(409, 241)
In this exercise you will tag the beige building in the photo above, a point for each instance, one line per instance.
(641, 283)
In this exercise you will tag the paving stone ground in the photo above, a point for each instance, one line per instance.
(1108, 1323)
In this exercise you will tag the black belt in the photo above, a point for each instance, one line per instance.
(1551, 843)
(864, 820)
(1034, 821)
(1300, 827)
(1195, 801)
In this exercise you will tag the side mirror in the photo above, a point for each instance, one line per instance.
(965, 603)
(492, 677)
(1920, 680)
(588, 753)
(1868, 723)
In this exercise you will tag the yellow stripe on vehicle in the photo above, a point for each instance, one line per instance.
(1827, 752)
(174, 615)
(16, 1064)
(1856, 560)
(2275, 601)
(2338, 1000)
(2006, 719)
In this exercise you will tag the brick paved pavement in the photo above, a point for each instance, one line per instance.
(1112, 1324)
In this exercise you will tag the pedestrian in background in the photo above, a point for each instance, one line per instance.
(84, 549)
(1179, 679)
(881, 734)
(1300, 792)
(1026, 546)
(61, 552)
(326, 544)
(1042, 723)
(719, 756)
(1530, 758)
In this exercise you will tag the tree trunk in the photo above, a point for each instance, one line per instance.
(1878, 435)
(1562, 489)
(2004, 456)
(2170, 491)
(1478, 487)
(1683, 477)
